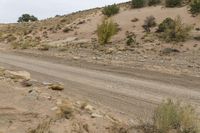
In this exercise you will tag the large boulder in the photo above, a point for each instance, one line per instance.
(17, 75)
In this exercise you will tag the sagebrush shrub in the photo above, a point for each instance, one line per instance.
(166, 117)
(131, 39)
(153, 2)
(105, 31)
(148, 23)
(168, 23)
(138, 3)
(110, 10)
(195, 7)
(175, 116)
(173, 3)
(174, 30)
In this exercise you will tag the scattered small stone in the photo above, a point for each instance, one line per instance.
(76, 58)
(54, 108)
(18, 75)
(86, 127)
(197, 29)
(81, 22)
(46, 96)
(170, 50)
(94, 58)
(190, 66)
(26, 83)
(135, 20)
(59, 102)
(195, 45)
(89, 107)
(57, 87)
(121, 48)
(109, 50)
(47, 83)
(95, 115)
(33, 94)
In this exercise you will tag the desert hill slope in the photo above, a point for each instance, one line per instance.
(74, 36)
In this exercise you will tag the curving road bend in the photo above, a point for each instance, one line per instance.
(132, 92)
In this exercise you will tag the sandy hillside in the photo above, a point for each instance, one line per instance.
(74, 37)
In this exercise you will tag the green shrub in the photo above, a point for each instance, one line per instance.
(195, 7)
(153, 2)
(148, 23)
(168, 23)
(174, 116)
(110, 10)
(138, 3)
(131, 39)
(173, 3)
(174, 30)
(105, 31)
(27, 18)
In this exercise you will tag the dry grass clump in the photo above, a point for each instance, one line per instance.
(173, 117)
(25, 42)
(66, 109)
(148, 23)
(43, 127)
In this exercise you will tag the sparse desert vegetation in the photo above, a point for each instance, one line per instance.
(155, 42)
(149, 22)
(172, 116)
(174, 30)
(195, 6)
(173, 3)
(106, 30)
(110, 10)
(138, 3)
(153, 2)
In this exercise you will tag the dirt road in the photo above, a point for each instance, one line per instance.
(131, 92)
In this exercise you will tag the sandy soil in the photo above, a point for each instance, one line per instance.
(36, 109)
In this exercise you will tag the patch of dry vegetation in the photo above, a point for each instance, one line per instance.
(174, 30)
(110, 10)
(43, 127)
(106, 30)
(174, 117)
